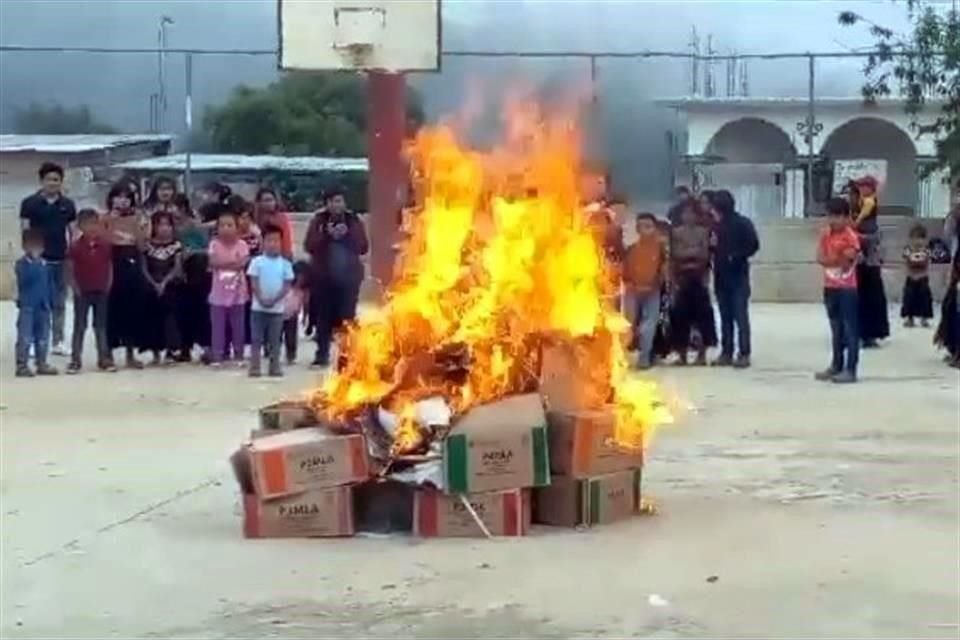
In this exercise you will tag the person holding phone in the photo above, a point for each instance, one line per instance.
(335, 241)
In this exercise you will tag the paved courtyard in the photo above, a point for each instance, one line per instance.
(788, 508)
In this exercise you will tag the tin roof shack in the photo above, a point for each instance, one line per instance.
(298, 179)
(85, 159)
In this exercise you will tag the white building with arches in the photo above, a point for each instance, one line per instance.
(757, 148)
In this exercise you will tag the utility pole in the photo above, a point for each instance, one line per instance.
(161, 71)
(744, 78)
(709, 88)
(188, 121)
(694, 62)
(809, 127)
(732, 64)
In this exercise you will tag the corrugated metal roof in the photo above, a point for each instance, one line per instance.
(235, 163)
(78, 143)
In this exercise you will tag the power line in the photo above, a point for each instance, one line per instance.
(469, 53)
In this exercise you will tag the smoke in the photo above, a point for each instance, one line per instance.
(631, 131)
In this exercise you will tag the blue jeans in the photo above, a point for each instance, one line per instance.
(733, 299)
(58, 286)
(266, 329)
(643, 311)
(844, 327)
(33, 329)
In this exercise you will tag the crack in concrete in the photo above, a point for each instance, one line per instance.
(74, 543)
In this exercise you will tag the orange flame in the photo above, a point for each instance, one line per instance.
(500, 256)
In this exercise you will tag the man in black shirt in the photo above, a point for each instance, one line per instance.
(52, 213)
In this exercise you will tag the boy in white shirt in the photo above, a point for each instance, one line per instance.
(271, 277)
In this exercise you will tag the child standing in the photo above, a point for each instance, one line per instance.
(163, 271)
(271, 277)
(692, 309)
(296, 300)
(35, 302)
(128, 231)
(90, 269)
(228, 291)
(193, 308)
(837, 252)
(249, 231)
(642, 279)
(917, 301)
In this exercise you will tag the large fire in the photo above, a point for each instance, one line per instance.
(499, 261)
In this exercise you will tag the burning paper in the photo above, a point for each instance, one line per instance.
(499, 261)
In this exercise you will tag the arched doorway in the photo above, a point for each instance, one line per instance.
(870, 138)
(753, 141)
(749, 157)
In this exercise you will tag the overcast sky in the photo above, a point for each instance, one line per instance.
(631, 134)
(118, 87)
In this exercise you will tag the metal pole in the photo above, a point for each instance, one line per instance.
(593, 79)
(188, 117)
(161, 80)
(162, 71)
(811, 128)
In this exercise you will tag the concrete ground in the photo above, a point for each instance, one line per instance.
(822, 511)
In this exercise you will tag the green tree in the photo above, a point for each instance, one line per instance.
(57, 119)
(300, 114)
(923, 67)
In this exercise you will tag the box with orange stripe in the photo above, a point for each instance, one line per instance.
(582, 446)
(504, 513)
(292, 462)
(313, 513)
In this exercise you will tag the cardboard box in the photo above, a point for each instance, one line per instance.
(313, 513)
(581, 444)
(501, 445)
(291, 462)
(569, 502)
(504, 513)
(565, 380)
(286, 415)
(242, 471)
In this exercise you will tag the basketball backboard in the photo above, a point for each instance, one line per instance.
(388, 35)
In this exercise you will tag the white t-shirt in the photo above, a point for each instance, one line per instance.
(271, 274)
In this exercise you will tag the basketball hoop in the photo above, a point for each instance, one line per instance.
(355, 54)
(359, 35)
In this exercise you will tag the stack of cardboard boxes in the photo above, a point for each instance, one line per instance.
(300, 482)
(594, 481)
(504, 465)
(491, 459)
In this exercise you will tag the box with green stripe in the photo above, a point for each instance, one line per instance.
(500, 445)
(571, 502)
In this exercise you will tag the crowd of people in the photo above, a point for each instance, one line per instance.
(157, 276)
(666, 274)
(163, 278)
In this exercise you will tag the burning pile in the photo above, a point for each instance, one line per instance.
(495, 361)
(500, 263)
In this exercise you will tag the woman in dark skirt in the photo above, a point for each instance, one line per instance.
(162, 270)
(871, 296)
(193, 309)
(917, 300)
(948, 332)
(692, 308)
(127, 229)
